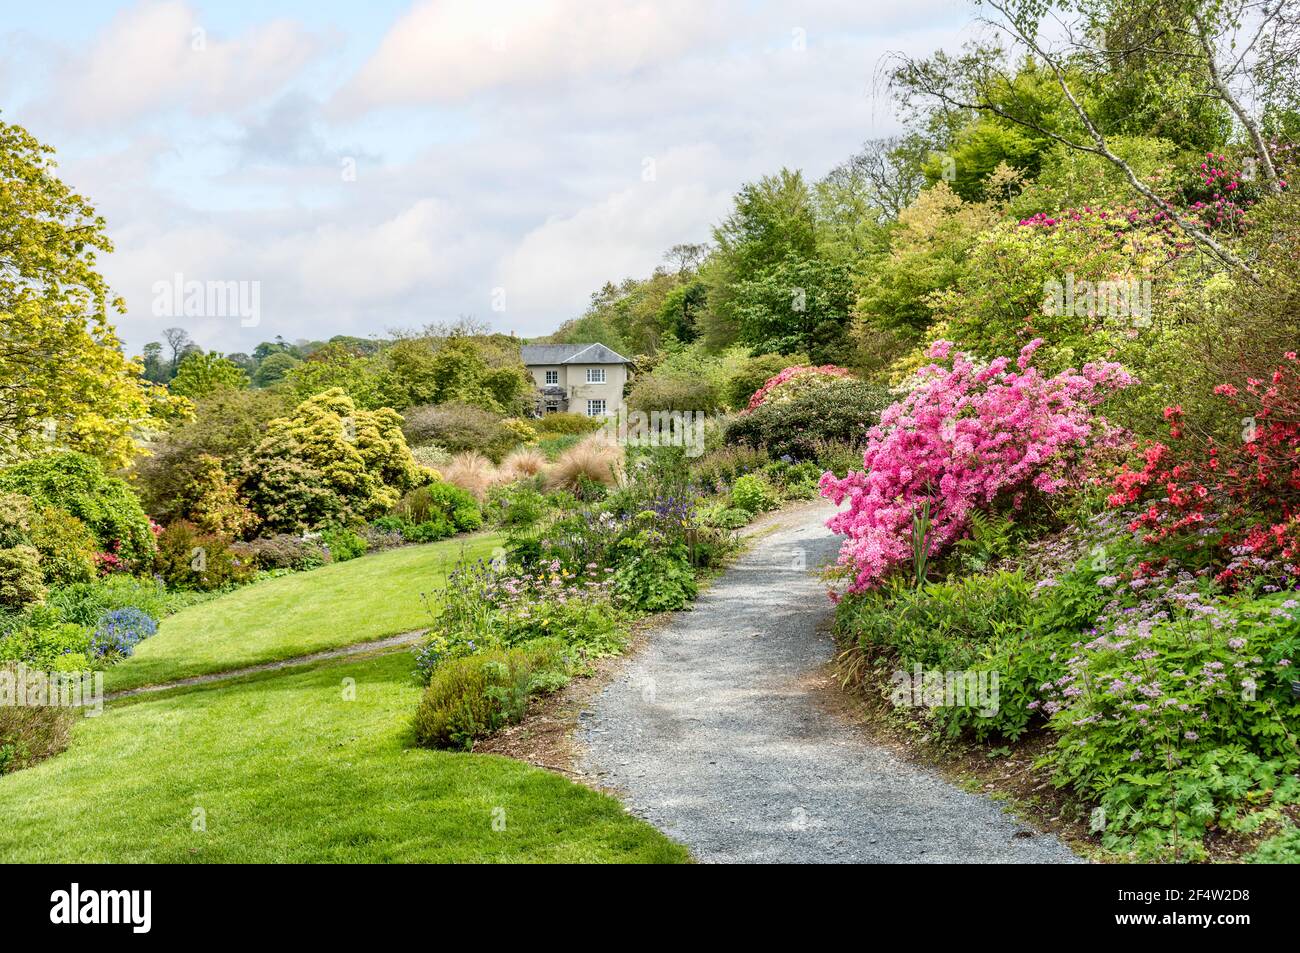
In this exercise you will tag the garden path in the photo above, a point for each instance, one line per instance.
(718, 732)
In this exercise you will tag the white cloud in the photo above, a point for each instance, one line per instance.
(557, 265)
(519, 168)
(448, 50)
(157, 56)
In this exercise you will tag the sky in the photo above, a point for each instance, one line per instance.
(304, 169)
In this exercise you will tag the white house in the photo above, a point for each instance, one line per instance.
(579, 378)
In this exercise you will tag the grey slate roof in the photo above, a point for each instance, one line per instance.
(534, 354)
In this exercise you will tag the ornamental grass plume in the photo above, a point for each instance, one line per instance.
(967, 437)
(472, 472)
(597, 458)
(522, 464)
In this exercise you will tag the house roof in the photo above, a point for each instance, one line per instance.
(534, 354)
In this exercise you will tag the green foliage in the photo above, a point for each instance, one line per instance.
(421, 371)
(753, 373)
(752, 493)
(274, 368)
(771, 219)
(20, 577)
(725, 517)
(566, 423)
(213, 502)
(653, 572)
(65, 545)
(42, 641)
(30, 733)
(838, 413)
(928, 252)
(343, 544)
(329, 463)
(482, 371)
(227, 426)
(471, 697)
(61, 362)
(796, 304)
(991, 537)
(78, 484)
(717, 469)
(1281, 848)
(941, 625)
(191, 559)
(1185, 729)
(685, 379)
(84, 603)
(201, 375)
(286, 551)
(1001, 302)
(518, 506)
(460, 427)
(441, 503)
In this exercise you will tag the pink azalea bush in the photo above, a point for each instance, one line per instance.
(794, 381)
(967, 437)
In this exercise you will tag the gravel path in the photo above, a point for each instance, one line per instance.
(713, 735)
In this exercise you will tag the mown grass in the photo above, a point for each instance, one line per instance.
(355, 601)
(282, 767)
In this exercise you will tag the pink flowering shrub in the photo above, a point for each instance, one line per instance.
(794, 381)
(968, 437)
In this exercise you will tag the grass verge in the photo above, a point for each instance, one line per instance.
(355, 601)
(284, 768)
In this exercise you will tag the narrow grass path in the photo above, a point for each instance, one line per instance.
(337, 605)
(717, 733)
(304, 766)
(368, 648)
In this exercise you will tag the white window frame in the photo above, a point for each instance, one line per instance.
(595, 375)
(552, 377)
(591, 408)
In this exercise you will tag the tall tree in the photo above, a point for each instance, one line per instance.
(1214, 47)
(63, 378)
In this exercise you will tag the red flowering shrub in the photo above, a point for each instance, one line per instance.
(794, 381)
(1240, 500)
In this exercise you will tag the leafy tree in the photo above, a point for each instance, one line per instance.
(928, 252)
(154, 368)
(681, 308)
(203, 374)
(1209, 49)
(797, 304)
(274, 368)
(78, 484)
(227, 425)
(329, 462)
(335, 365)
(266, 348)
(179, 343)
(771, 219)
(63, 378)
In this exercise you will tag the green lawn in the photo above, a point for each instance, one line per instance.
(355, 601)
(284, 768)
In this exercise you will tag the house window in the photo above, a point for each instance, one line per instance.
(596, 375)
(552, 409)
(595, 408)
(552, 377)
